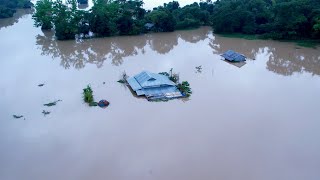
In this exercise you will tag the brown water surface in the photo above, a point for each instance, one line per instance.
(256, 122)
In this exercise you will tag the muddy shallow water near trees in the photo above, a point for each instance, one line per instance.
(259, 121)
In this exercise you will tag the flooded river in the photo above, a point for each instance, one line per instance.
(259, 121)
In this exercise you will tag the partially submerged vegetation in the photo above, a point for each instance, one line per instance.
(304, 42)
(52, 103)
(117, 17)
(89, 99)
(184, 88)
(88, 96)
(123, 79)
(17, 116)
(45, 112)
(281, 19)
(8, 7)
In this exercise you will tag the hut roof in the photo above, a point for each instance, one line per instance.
(233, 56)
(147, 83)
(149, 25)
(147, 79)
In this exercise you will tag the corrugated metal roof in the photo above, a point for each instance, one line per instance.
(151, 84)
(233, 56)
(134, 84)
(147, 79)
(160, 90)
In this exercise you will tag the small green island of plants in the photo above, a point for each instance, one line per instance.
(89, 99)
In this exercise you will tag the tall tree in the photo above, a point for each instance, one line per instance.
(44, 14)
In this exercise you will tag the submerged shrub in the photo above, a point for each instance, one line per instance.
(184, 87)
(88, 95)
(123, 79)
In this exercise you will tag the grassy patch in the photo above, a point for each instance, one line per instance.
(239, 35)
(123, 79)
(45, 112)
(308, 43)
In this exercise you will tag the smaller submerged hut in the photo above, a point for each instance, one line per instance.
(233, 56)
(154, 86)
(149, 26)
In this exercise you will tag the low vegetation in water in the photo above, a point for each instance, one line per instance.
(8, 7)
(199, 69)
(88, 95)
(17, 116)
(174, 77)
(45, 112)
(123, 79)
(185, 89)
(239, 35)
(52, 103)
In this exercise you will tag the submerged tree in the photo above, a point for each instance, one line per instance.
(44, 14)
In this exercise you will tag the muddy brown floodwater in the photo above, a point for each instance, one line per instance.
(257, 122)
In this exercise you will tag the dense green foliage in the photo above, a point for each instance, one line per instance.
(116, 17)
(88, 96)
(184, 87)
(8, 7)
(43, 15)
(276, 19)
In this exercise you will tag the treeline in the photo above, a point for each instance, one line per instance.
(276, 19)
(8, 7)
(118, 17)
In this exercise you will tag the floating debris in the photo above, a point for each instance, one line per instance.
(17, 116)
(124, 78)
(45, 112)
(52, 103)
(104, 83)
(199, 69)
(103, 103)
(40, 85)
(93, 104)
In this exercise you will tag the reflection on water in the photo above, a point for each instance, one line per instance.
(96, 51)
(283, 58)
(15, 19)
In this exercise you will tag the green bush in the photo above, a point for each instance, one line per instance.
(184, 87)
(88, 95)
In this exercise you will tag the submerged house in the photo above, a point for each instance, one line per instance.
(233, 56)
(149, 26)
(154, 86)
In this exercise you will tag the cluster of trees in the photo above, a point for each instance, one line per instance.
(8, 7)
(117, 17)
(276, 19)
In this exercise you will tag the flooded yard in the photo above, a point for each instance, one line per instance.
(259, 121)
